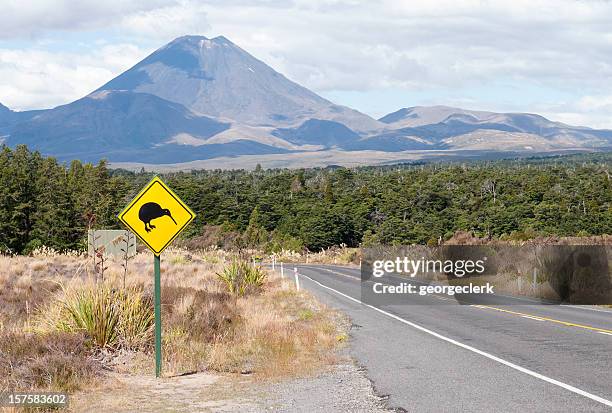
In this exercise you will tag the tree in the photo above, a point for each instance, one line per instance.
(43, 202)
(255, 234)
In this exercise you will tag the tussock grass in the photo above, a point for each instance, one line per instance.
(240, 277)
(111, 318)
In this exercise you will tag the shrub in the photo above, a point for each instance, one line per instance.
(213, 236)
(350, 256)
(241, 278)
(32, 245)
(19, 296)
(202, 315)
(110, 318)
(55, 361)
(280, 242)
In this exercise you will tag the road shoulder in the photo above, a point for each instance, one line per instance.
(339, 388)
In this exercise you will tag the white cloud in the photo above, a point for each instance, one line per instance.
(342, 45)
(37, 17)
(426, 44)
(168, 22)
(591, 110)
(41, 79)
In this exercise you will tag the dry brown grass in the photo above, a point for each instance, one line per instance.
(467, 238)
(281, 332)
(54, 362)
(274, 332)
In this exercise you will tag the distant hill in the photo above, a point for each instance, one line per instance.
(197, 99)
(443, 127)
(105, 122)
(318, 132)
(5, 114)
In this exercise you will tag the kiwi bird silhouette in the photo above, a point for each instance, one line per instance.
(150, 211)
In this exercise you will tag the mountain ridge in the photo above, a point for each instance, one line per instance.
(197, 98)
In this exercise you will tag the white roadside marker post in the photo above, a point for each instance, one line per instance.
(282, 270)
(273, 262)
(297, 279)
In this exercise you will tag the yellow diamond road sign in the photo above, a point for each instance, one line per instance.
(157, 215)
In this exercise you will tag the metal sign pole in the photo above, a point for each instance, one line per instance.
(158, 342)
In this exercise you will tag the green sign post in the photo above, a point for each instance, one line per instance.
(158, 342)
(156, 202)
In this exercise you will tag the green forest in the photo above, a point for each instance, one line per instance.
(47, 203)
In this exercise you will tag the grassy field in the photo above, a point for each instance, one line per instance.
(63, 326)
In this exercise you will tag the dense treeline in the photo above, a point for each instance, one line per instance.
(46, 203)
(43, 202)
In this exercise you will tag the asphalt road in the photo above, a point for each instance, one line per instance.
(446, 357)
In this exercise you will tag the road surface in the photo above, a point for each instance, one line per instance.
(453, 358)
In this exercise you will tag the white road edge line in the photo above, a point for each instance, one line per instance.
(603, 332)
(475, 350)
(582, 307)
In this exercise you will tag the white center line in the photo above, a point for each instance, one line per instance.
(475, 350)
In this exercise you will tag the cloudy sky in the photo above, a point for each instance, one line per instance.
(552, 57)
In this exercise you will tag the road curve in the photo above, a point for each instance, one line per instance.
(456, 358)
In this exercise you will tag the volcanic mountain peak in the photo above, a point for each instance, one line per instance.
(214, 77)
